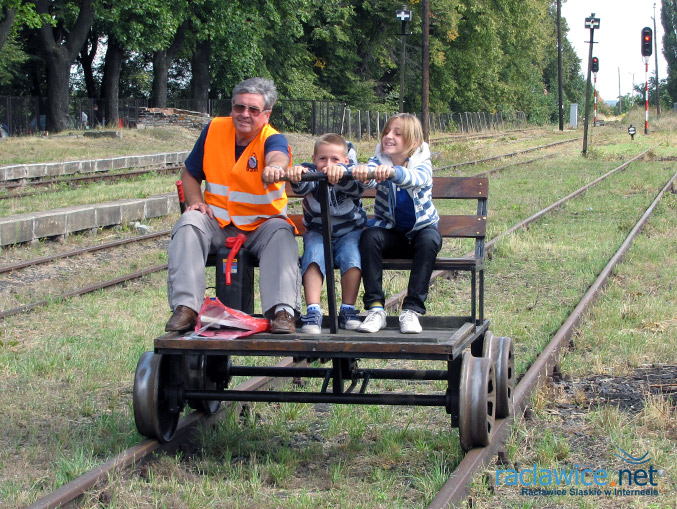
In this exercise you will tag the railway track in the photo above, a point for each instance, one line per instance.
(138, 274)
(457, 486)
(456, 489)
(502, 156)
(464, 137)
(18, 189)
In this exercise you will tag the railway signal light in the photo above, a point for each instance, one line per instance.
(595, 64)
(647, 42)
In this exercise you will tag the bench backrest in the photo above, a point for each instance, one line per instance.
(444, 188)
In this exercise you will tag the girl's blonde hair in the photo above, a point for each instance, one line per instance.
(412, 131)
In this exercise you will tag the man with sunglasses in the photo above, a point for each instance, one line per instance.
(241, 158)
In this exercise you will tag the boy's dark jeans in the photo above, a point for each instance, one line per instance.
(379, 243)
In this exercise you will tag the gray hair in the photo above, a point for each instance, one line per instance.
(261, 86)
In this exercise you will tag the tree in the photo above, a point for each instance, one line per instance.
(573, 82)
(669, 20)
(15, 17)
(60, 45)
(7, 15)
(162, 59)
(129, 35)
(86, 60)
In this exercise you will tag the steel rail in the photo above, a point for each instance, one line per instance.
(452, 137)
(81, 291)
(89, 178)
(136, 454)
(390, 304)
(511, 154)
(506, 166)
(395, 300)
(458, 485)
(84, 250)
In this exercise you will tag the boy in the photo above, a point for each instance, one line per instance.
(330, 156)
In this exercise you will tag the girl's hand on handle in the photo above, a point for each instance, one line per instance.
(381, 172)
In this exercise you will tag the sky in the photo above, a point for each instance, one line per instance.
(617, 41)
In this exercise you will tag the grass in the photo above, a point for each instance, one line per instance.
(73, 146)
(66, 371)
(631, 325)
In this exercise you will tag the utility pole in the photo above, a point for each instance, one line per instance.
(559, 65)
(403, 15)
(591, 22)
(425, 64)
(620, 97)
(655, 50)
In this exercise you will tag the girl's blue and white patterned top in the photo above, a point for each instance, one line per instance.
(416, 178)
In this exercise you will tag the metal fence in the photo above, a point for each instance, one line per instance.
(20, 116)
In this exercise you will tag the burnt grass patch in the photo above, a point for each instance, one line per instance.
(627, 393)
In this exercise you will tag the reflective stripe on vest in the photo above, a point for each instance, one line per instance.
(210, 187)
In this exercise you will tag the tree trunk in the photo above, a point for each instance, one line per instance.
(6, 22)
(111, 80)
(87, 54)
(58, 76)
(59, 56)
(160, 72)
(199, 83)
(162, 59)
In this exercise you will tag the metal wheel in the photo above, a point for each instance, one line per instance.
(477, 402)
(151, 408)
(500, 350)
(195, 369)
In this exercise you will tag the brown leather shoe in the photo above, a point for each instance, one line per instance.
(182, 319)
(283, 323)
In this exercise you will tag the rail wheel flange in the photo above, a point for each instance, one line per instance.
(477, 402)
(501, 351)
(152, 415)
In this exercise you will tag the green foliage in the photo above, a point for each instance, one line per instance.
(669, 20)
(484, 55)
(11, 58)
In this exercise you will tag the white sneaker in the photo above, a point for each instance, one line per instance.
(409, 322)
(374, 321)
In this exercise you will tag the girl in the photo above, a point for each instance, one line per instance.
(405, 222)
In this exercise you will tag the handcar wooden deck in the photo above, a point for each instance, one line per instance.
(477, 366)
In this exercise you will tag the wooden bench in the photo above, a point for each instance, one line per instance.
(466, 226)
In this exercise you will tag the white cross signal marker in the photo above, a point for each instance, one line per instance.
(404, 15)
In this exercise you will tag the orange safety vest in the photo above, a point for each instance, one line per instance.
(234, 189)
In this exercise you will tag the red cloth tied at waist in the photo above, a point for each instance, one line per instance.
(234, 243)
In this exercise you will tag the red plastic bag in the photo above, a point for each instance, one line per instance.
(221, 322)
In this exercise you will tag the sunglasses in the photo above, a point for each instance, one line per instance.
(254, 111)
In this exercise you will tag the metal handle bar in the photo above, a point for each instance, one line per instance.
(319, 177)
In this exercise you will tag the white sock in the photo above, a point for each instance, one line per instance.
(284, 307)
